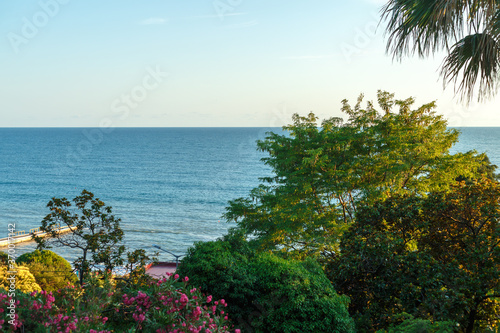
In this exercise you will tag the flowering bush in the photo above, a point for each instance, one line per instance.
(41, 311)
(161, 306)
(168, 305)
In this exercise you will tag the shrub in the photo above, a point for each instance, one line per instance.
(167, 305)
(416, 325)
(51, 271)
(63, 311)
(267, 293)
(297, 297)
(221, 269)
(24, 280)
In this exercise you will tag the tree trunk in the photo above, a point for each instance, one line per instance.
(471, 320)
(82, 267)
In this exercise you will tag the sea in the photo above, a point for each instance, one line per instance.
(169, 186)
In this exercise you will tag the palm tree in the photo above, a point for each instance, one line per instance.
(471, 27)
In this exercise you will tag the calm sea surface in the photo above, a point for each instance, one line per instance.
(169, 186)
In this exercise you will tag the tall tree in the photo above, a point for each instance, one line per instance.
(468, 30)
(323, 173)
(95, 231)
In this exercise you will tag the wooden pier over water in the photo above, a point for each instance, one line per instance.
(23, 236)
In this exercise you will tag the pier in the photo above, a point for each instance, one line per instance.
(23, 236)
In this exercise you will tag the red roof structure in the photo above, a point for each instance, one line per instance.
(160, 270)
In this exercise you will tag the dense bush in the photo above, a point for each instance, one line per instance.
(267, 293)
(50, 270)
(221, 268)
(70, 309)
(412, 325)
(168, 305)
(24, 280)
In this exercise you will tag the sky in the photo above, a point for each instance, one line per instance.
(216, 63)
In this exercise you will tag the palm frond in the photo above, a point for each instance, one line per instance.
(474, 57)
(422, 26)
(494, 24)
(427, 26)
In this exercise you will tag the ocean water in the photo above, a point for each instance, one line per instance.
(169, 186)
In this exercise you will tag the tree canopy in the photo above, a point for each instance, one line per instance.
(468, 30)
(94, 230)
(267, 293)
(51, 271)
(436, 258)
(324, 172)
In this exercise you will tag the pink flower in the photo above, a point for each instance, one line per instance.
(186, 279)
(140, 318)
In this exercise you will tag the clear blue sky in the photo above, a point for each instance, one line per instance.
(203, 63)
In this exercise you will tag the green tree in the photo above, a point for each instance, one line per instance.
(135, 266)
(468, 30)
(266, 293)
(95, 231)
(434, 257)
(51, 271)
(488, 169)
(324, 173)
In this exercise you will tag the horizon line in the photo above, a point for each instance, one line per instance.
(118, 127)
